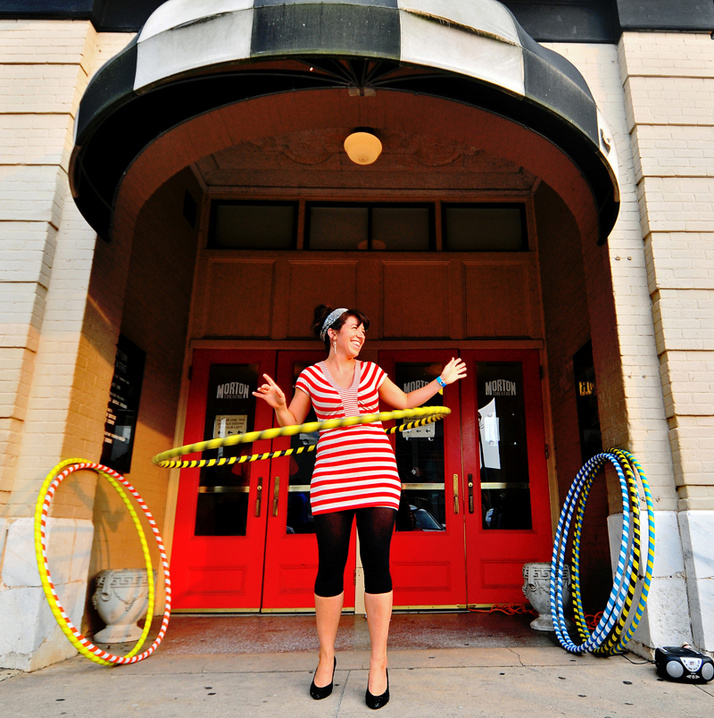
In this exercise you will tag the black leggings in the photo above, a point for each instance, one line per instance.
(374, 527)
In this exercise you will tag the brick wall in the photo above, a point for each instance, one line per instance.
(55, 375)
(632, 411)
(668, 79)
(46, 257)
(63, 298)
(43, 68)
(635, 412)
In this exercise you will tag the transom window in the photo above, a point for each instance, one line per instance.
(393, 228)
(368, 226)
(253, 225)
(484, 228)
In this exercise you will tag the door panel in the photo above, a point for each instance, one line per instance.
(428, 545)
(291, 547)
(508, 519)
(221, 513)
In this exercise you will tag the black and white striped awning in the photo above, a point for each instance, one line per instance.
(193, 56)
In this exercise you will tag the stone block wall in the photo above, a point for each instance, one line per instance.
(29, 635)
(640, 424)
(54, 386)
(44, 68)
(654, 89)
(657, 91)
(668, 81)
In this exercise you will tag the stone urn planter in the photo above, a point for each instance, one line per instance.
(536, 588)
(121, 598)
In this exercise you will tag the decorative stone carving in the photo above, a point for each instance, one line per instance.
(536, 588)
(439, 151)
(313, 163)
(310, 148)
(121, 599)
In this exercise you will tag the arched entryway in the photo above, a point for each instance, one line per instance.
(186, 123)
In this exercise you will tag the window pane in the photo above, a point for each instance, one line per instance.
(253, 226)
(338, 228)
(420, 459)
(300, 520)
(400, 228)
(505, 490)
(484, 229)
(222, 508)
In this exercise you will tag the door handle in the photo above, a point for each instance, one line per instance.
(259, 493)
(471, 493)
(276, 494)
(456, 493)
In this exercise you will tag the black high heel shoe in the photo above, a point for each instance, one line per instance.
(376, 702)
(320, 692)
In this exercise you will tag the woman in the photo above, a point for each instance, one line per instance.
(355, 476)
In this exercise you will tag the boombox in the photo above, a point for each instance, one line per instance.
(683, 664)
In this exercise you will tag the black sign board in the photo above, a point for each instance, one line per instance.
(123, 406)
(586, 402)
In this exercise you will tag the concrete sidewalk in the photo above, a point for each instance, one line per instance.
(193, 675)
(491, 682)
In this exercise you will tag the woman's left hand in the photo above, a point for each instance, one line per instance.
(454, 370)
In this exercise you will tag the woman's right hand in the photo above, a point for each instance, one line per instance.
(271, 393)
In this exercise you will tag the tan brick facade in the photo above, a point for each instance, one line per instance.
(41, 88)
(54, 385)
(639, 423)
(660, 107)
(668, 79)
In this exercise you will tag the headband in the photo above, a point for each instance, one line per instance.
(331, 317)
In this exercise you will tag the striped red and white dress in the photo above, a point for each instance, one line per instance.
(355, 465)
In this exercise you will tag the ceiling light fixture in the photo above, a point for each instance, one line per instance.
(363, 146)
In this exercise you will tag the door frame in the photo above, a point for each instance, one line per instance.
(501, 578)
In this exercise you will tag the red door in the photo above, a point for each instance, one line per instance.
(291, 548)
(243, 538)
(221, 512)
(475, 504)
(508, 511)
(428, 545)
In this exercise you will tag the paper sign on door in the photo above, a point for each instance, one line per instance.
(229, 424)
(490, 435)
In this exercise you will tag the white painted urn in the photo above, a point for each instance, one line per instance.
(536, 588)
(121, 598)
